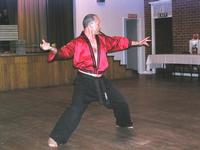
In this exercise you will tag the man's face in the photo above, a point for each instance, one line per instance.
(95, 26)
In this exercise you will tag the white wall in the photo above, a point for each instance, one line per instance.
(111, 14)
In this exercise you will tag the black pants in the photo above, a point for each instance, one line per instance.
(85, 92)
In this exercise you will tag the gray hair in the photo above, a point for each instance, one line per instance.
(88, 19)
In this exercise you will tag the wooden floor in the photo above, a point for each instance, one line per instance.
(166, 115)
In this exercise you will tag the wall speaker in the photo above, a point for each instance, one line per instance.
(100, 1)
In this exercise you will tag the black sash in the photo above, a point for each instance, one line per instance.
(102, 93)
(101, 89)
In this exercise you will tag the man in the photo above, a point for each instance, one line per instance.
(89, 52)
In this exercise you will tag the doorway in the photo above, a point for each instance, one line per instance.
(163, 35)
(131, 32)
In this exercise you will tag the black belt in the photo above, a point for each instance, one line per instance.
(101, 89)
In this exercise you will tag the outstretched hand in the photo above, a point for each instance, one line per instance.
(45, 45)
(144, 42)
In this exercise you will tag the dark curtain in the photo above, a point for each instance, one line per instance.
(60, 21)
(11, 7)
(12, 11)
(8, 10)
(2, 4)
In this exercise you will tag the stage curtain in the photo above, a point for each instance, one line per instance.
(32, 23)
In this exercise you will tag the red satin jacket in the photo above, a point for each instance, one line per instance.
(83, 56)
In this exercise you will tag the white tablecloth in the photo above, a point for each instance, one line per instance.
(160, 60)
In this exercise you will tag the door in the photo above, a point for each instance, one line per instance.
(132, 53)
(163, 36)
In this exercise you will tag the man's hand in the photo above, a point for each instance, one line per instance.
(143, 42)
(46, 46)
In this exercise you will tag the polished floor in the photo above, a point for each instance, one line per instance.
(165, 112)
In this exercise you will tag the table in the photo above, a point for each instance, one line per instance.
(160, 60)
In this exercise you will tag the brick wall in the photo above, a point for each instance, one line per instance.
(186, 21)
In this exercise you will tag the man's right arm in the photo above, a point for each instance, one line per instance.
(65, 52)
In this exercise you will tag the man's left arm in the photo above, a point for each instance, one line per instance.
(118, 43)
